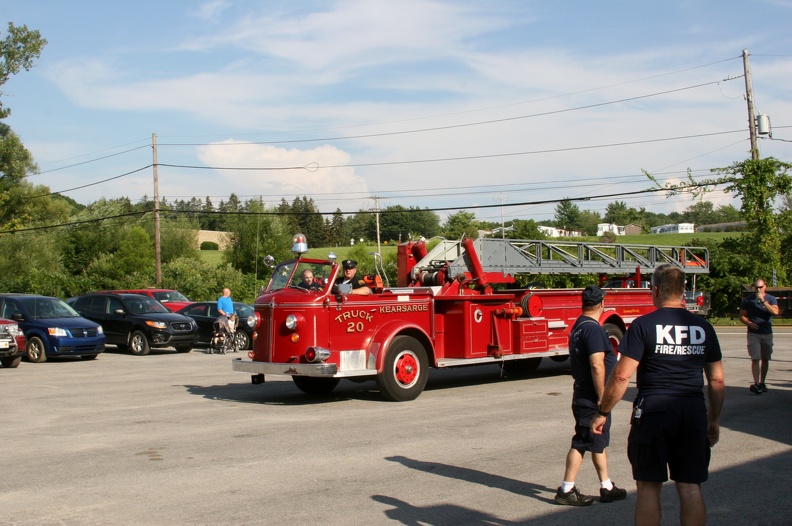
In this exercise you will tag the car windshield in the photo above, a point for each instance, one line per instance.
(243, 310)
(43, 308)
(144, 305)
(169, 295)
(282, 276)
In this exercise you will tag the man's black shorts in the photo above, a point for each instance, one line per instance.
(671, 436)
(584, 412)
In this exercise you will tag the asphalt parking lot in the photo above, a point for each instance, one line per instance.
(181, 439)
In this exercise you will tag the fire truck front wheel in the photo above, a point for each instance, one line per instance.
(405, 370)
(315, 386)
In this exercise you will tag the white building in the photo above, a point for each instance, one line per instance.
(551, 231)
(679, 228)
(610, 227)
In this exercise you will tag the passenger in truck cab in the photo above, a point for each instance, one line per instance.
(349, 278)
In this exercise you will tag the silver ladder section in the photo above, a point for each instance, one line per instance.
(511, 256)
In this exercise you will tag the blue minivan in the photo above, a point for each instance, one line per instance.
(52, 328)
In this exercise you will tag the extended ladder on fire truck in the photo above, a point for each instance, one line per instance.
(511, 257)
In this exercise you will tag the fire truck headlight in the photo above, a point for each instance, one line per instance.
(294, 322)
(254, 320)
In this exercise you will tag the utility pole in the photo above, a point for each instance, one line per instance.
(503, 223)
(749, 99)
(157, 251)
(377, 211)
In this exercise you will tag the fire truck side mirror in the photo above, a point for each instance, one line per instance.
(269, 261)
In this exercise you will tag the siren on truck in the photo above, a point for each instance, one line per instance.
(299, 244)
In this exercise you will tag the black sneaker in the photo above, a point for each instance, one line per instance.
(609, 495)
(573, 498)
(763, 388)
(755, 389)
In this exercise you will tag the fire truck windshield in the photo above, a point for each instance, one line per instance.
(310, 277)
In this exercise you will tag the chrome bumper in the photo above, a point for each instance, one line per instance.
(289, 369)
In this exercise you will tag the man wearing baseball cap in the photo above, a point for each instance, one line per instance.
(591, 357)
(349, 271)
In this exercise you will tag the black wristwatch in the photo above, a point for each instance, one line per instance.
(600, 412)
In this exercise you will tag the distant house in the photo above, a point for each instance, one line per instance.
(679, 228)
(633, 230)
(551, 231)
(610, 227)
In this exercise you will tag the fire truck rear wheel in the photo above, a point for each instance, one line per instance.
(615, 335)
(315, 386)
(405, 370)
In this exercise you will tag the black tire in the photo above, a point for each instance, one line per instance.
(88, 356)
(138, 344)
(615, 336)
(35, 350)
(184, 348)
(315, 386)
(11, 362)
(242, 340)
(405, 370)
(525, 367)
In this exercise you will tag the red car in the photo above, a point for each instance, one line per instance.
(12, 343)
(172, 299)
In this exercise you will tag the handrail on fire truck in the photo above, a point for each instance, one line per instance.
(511, 256)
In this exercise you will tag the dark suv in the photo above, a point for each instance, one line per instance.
(137, 322)
(52, 328)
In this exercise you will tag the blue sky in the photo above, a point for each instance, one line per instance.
(433, 104)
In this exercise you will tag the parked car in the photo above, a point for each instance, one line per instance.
(52, 328)
(698, 302)
(136, 322)
(205, 314)
(172, 299)
(12, 343)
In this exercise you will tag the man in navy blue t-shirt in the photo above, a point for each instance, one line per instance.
(592, 359)
(756, 312)
(673, 428)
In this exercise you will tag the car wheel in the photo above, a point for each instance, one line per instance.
(35, 350)
(11, 362)
(138, 343)
(242, 340)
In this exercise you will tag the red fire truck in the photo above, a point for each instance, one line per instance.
(456, 304)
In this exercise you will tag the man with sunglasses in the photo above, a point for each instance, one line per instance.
(756, 312)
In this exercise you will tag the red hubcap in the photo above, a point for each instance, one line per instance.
(406, 369)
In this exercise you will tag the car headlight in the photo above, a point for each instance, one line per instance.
(13, 329)
(57, 332)
(99, 330)
(157, 324)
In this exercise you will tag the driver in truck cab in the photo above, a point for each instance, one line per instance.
(349, 278)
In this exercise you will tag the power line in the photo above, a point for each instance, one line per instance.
(358, 212)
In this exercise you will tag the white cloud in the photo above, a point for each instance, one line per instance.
(291, 172)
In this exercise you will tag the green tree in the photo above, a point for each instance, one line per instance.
(255, 236)
(398, 223)
(567, 215)
(461, 224)
(18, 50)
(524, 229)
(588, 221)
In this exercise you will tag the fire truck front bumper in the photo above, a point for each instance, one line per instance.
(289, 369)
